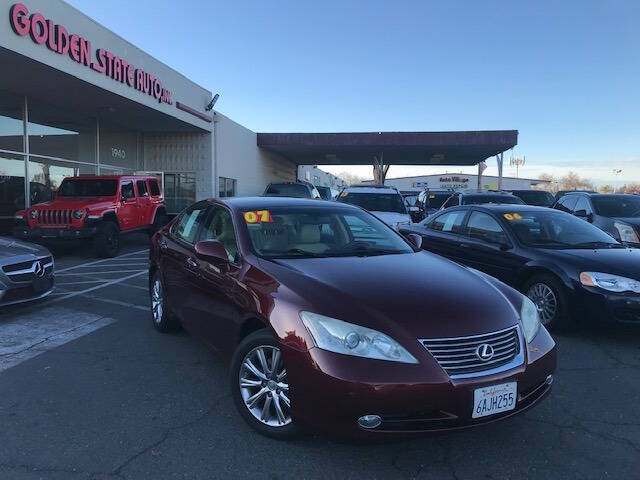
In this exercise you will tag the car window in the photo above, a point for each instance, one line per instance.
(186, 227)
(538, 198)
(126, 190)
(88, 188)
(288, 190)
(295, 232)
(617, 206)
(154, 187)
(583, 204)
(486, 228)
(219, 226)
(452, 202)
(449, 222)
(567, 203)
(375, 202)
(142, 188)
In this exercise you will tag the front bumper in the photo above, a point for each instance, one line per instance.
(28, 292)
(27, 233)
(600, 306)
(329, 391)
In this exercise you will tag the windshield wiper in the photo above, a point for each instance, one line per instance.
(366, 249)
(295, 251)
(597, 245)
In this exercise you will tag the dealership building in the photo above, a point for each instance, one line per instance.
(77, 99)
(460, 181)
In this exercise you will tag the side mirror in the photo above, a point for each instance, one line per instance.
(211, 251)
(584, 215)
(415, 240)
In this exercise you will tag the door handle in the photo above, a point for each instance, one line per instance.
(191, 263)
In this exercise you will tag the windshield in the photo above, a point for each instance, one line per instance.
(88, 188)
(554, 229)
(539, 199)
(311, 232)
(480, 199)
(617, 206)
(325, 192)
(295, 190)
(375, 202)
(436, 200)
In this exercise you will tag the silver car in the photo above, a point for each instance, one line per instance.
(26, 271)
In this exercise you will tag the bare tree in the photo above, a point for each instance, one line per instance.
(631, 188)
(350, 178)
(573, 181)
(607, 189)
(551, 184)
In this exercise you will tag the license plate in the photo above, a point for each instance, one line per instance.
(494, 399)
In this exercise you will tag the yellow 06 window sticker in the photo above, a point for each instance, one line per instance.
(512, 216)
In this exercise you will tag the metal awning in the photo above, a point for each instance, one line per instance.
(394, 148)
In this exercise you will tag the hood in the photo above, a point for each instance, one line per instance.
(10, 247)
(69, 203)
(617, 261)
(392, 218)
(424, 295)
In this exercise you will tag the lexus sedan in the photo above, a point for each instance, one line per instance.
(26, 272)
(335, 322)
(570, 269)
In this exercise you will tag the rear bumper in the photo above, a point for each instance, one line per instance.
(27, 233)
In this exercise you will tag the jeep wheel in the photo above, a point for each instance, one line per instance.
(107, 240)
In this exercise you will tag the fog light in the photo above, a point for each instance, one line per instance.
(369, 421)
(549, 380)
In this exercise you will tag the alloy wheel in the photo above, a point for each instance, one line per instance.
(545, 300)
(264, 387)
(157, 301)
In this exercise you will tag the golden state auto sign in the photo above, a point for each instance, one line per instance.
(56, 38)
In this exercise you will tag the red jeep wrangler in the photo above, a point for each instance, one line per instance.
(100, 207)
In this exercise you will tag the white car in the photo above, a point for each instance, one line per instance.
(384, 202)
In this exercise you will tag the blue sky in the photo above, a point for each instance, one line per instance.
(566, 74)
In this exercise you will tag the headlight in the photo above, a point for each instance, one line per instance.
(33, 214)
(18, 216)
(612, 283)
(529, 319)
(342, 337)
(78, 214)
(627, 234)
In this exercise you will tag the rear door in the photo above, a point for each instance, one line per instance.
(178, 261)
(144, 202)
(443, 234)
(128, 212)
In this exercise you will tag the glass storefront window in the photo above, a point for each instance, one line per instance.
(54, 132)
(11, 126)
(11, 188)
(226, 187)
(118, 146)
(45, 176)
(179, 191)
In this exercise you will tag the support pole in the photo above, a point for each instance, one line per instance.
(499, 159)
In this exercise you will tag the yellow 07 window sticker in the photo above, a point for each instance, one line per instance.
(512, 216)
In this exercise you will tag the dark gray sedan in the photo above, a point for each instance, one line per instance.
(26, 271)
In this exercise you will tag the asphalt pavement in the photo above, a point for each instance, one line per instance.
(88, 390)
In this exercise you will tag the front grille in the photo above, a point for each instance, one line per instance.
(25, 271)
(459, 357)
(54, 217)
(18, 266)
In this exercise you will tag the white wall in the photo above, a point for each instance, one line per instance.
(456, 181)
(324, 179)
(239, 157)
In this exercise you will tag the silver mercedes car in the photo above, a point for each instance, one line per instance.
(26, 271)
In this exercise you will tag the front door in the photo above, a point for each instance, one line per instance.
(214, 306)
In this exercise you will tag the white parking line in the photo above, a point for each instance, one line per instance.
(71, 274)
(146, 289)
(61, 284)
(33, 333)
(111, 265)
(102, 261)
(117, 302)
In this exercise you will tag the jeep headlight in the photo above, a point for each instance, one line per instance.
(349, 339)
(33, 214)
(78, 214)
(529, 319)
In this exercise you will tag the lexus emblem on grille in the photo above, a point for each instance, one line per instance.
(38, 269)
(484, 352)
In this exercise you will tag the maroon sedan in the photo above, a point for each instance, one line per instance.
(334, 321)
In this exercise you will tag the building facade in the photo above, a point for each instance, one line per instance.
(320, 178)
(458, 181)
(81, 100)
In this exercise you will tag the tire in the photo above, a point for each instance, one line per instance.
(162, 318)
(107, 240)
(278, 427)
(159, 221)
(546, 290)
